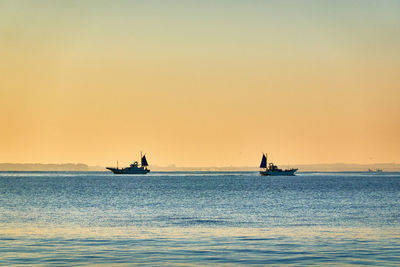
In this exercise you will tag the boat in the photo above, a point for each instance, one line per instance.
(376, 170)
(134, 168)
(273, 170)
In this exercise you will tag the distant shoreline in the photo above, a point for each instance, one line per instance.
(334, 167)
(43, 167)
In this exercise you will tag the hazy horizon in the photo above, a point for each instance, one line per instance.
(334, 167)
(200, 83)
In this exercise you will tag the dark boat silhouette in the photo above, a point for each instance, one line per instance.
(273, 170)
(134, 168)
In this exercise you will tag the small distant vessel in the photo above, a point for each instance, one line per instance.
(273, 170)
(134, 168)
(376, 170)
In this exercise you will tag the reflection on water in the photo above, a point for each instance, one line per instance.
(199, 219)
(199, 246)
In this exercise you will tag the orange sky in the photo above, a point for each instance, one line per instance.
(199, 83)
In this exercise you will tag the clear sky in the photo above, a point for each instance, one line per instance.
(200, 83)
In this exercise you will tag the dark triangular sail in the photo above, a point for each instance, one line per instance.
(144, 161)
(263, 162)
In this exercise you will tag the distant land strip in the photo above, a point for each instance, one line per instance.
(333, 167)
(43, 167)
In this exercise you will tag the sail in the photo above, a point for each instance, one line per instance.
(144, 161)
(263, 162)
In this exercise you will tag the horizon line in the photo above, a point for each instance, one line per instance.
(209, 166)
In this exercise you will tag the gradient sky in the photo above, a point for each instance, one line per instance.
(200, 83)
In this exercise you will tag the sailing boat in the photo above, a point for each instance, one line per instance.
(134, 168)
(272, 169)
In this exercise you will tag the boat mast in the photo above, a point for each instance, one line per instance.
(263, 163)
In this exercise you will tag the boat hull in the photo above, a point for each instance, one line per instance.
(129, 171)
(290, 172)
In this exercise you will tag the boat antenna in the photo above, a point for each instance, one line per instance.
(117, 164)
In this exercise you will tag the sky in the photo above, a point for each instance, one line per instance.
(199, 83)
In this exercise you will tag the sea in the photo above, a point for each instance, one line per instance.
(199, 219)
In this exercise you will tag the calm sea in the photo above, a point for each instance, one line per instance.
(199, 218)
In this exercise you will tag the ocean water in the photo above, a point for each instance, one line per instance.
(199, 218)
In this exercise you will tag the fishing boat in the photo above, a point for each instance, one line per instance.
(134, 168)
(375, 171)
(273, 170)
